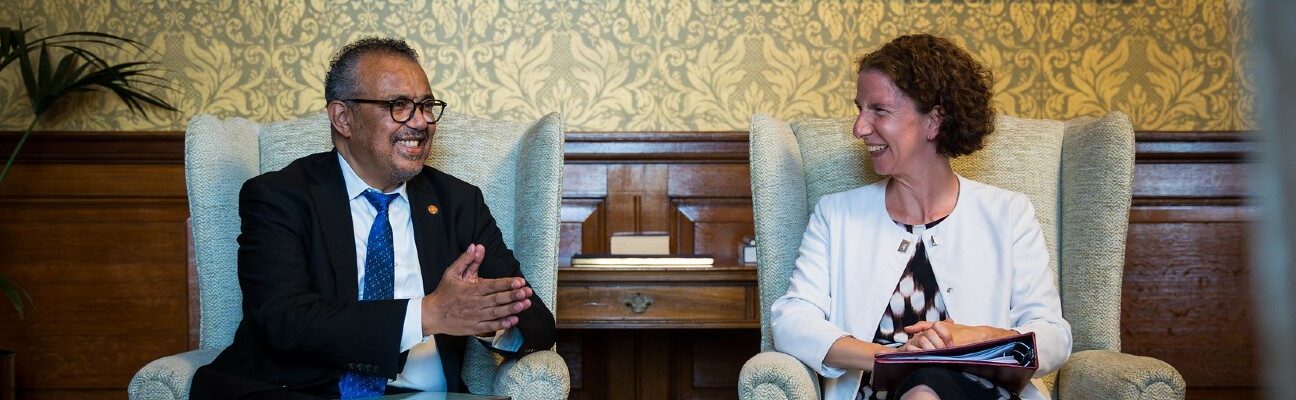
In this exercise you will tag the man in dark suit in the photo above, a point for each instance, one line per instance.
(364, 271)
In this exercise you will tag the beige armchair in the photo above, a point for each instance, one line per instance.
(1078, 173)
(517, 166)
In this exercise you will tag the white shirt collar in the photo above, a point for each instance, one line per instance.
(355, 186)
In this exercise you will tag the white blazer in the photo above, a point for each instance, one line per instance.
(988, 256)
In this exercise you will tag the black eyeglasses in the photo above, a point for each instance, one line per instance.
(403, 109)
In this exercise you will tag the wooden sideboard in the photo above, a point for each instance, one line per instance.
(657, 334)
(652, 334)
(711, 298)
(93, 226)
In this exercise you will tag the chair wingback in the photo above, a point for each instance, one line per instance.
(519, 169)
(780, 209)
(219, 156)
(1097, 184)
(794, 164)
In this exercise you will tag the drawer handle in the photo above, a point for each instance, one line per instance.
(638, 303)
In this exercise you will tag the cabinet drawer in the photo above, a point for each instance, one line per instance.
(659, 305)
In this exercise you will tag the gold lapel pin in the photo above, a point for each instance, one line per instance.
(432, 209)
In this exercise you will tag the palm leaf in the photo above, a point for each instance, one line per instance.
(124, 81)
(81, 70)
(16, 295)
(13, 42)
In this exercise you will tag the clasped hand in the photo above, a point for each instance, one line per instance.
(465, 304)
(927, 335)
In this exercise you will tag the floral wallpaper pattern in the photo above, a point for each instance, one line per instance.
(665, 65)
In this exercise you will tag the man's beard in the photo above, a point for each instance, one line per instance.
(399, 175)
(402, 176)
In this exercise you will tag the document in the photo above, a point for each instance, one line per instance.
(1011, 353)
(1008, 362)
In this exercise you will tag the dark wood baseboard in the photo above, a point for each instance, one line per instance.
(1225, 393)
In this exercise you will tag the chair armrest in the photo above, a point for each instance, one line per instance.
(169, 377)
(774, 375)
(1105, 374)
(539, 375)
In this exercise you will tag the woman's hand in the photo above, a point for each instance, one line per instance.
(926, 335)
(849, 352)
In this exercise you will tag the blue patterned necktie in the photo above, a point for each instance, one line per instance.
(378, 285)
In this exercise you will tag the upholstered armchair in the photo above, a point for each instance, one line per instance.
(517, 166)
(1078, 173)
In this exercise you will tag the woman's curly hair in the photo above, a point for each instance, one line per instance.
(933, 71)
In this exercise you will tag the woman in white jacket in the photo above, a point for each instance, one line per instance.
(924, 259)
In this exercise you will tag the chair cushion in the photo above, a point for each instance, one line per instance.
(285, 141)
(835, 161)
(1024, 155)
(493, 146)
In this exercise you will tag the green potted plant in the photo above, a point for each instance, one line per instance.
(78, 69)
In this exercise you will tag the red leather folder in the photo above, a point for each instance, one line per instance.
(890, 369)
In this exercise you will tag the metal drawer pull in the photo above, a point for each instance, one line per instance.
(638, 303)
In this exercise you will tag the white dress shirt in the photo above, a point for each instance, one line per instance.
(423, 369)
(988, 256)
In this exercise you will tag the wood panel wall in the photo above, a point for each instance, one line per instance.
(1187, 295)
(93, 226)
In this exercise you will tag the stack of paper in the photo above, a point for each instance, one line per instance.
(650, 243)
(1011, 353)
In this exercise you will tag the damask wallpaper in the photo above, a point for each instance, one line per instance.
(650, 65)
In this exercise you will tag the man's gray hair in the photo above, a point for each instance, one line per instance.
(340, 81)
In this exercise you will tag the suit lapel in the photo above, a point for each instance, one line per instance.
(429, 231)
(333, 213)
(434, 253)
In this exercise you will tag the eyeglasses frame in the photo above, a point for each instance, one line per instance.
(421, 105)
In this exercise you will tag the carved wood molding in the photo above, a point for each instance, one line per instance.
(97, 147)
(1230, 146)
(666, 147)
(712, 226)
(582, 222)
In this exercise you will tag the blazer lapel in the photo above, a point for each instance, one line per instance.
(429, 231)
(434, 253)
(333, 213)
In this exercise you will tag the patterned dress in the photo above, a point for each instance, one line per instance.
(917, 297)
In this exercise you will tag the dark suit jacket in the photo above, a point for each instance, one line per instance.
(302, 324)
